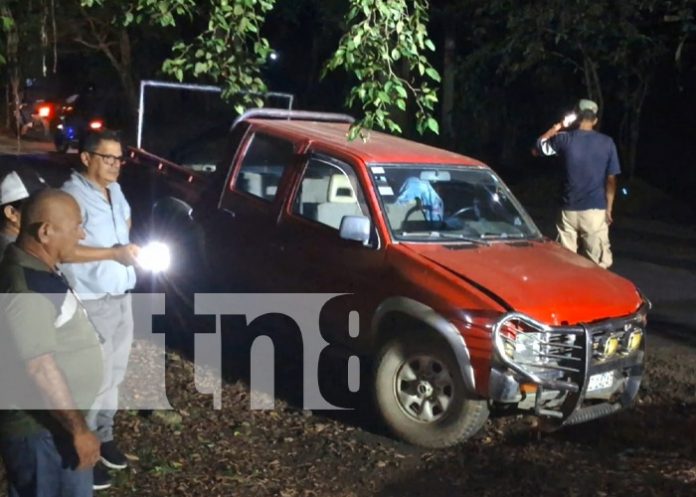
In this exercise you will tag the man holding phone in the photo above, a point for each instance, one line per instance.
(591, 164)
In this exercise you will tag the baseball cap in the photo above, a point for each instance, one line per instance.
(14, 188)
(586, 104)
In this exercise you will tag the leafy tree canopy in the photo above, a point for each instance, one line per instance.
(380, 34)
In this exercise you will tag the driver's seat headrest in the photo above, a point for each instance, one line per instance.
(340, 190)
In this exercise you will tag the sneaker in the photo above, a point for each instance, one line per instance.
(102, 480)
(112, 457)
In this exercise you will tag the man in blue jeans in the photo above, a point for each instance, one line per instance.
(50, 358)
(104, 285)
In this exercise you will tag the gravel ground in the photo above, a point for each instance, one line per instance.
(648, 450)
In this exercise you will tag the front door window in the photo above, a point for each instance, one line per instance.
(329, 190)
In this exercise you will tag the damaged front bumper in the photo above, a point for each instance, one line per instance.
(568, 374)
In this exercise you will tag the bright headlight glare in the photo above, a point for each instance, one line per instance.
(155, 257)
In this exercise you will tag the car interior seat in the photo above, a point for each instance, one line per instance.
(342, 201)
(314, 191)
(252, 183)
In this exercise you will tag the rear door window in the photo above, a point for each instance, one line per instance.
(266, 159)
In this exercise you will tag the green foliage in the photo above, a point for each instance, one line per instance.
(231, 51)
(381, 34)
(387, 38)
(157, 12)
(6, 23)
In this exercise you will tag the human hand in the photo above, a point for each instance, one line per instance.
(127, 254)
(552, 131)
(610, 217)
(569, 119)
(87, 447)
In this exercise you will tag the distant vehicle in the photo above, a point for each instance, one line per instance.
(34, 116)
(464, 307)
(73, 123)
(34, 119)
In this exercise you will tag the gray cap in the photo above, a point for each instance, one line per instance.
(586, 104)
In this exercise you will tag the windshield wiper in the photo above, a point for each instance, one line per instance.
(464, 238)
(439, 234)
(504, 236)
(428, 234)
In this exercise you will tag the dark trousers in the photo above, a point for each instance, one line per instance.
(40, 466)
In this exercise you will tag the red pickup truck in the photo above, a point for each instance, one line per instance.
(465, 308)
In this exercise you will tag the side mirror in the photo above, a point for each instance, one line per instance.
(171, 216)
(356, 228)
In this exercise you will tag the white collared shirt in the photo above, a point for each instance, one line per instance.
(105, 225)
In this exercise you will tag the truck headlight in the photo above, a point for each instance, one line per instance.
(523, 344)
(610, 346)
(534, 349)
(634, 340)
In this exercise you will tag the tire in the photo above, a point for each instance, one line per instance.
(412, 409)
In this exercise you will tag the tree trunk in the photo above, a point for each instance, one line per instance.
(121, 58)
(448, 75)
(126, 73)
(12, 40)
(54, 31)
(630, 126)
(592, 83)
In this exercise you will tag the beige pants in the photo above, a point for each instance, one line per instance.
(589, 230)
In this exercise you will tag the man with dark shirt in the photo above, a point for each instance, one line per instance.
(591, 165)
(50, 357)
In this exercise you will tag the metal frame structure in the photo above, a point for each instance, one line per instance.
(294, 115)
(194, 87)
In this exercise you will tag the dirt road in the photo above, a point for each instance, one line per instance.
(10, 145)
(648, 450)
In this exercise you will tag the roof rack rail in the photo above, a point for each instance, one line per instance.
(297, 115)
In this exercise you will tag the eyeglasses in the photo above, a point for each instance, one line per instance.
(110, 160)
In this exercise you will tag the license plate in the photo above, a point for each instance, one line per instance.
(600, 381)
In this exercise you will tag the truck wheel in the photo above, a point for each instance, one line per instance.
(421, 395)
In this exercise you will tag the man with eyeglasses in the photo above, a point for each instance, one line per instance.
(104, 285)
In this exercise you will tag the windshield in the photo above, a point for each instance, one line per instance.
(436, 203)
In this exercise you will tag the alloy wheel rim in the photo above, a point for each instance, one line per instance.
(424, 388)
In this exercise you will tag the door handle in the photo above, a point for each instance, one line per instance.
(231, 213)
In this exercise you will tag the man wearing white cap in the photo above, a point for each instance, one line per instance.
(14, 189)
(591, 165)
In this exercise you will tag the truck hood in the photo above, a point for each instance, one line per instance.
(540, 279)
